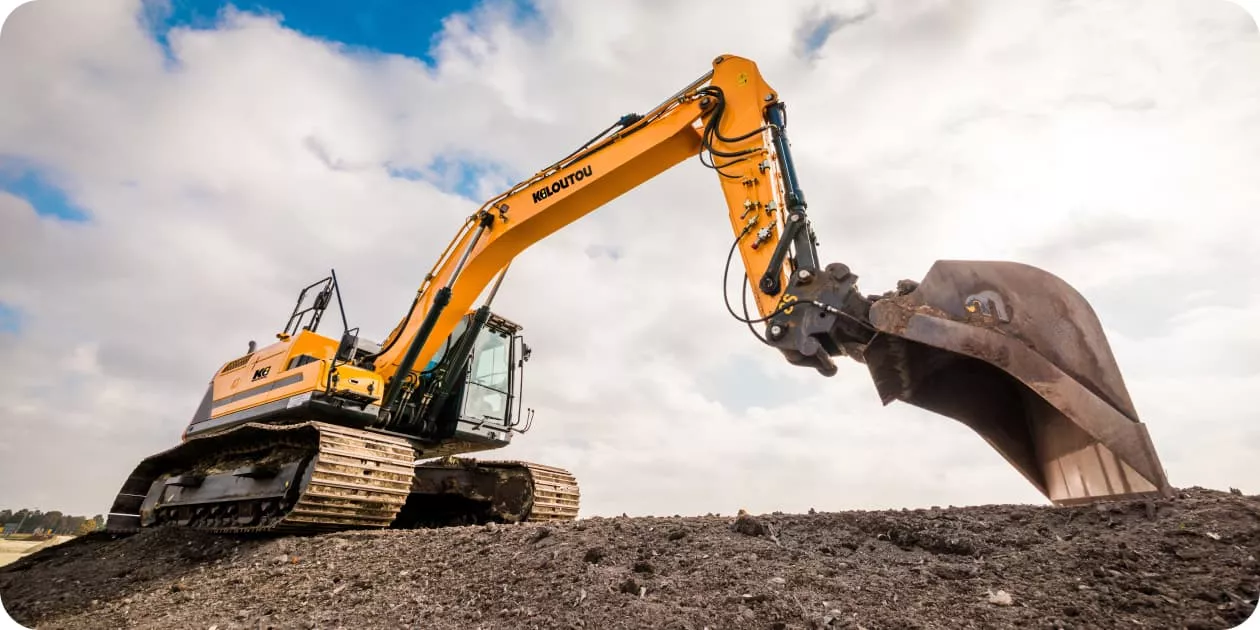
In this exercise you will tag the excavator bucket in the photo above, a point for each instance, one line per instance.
(1019, 356)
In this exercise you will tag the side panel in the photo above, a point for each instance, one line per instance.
(278, 367)
(266, 381)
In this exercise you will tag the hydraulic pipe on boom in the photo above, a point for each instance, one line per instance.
(430, 320)
(464, 347)
(797, 232)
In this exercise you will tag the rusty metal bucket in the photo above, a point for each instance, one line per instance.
(1019, 356)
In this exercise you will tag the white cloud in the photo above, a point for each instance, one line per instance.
(1110, 143)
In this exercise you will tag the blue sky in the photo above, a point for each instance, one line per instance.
(403, 27)
(10, 319)
(35, 186)
(388, 26)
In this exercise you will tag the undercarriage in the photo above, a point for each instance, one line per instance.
(314, 477)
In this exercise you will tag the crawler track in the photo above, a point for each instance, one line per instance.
(463, 491)
(333, 478)
(347, 479)
(556, 493)
(358, 480)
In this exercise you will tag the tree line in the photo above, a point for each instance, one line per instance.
(26, 521)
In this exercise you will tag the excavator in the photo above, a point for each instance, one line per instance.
(314, 433)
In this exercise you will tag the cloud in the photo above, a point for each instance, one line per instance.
(817, 27)
(1111, 143)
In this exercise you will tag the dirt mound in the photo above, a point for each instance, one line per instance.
(1190, 562)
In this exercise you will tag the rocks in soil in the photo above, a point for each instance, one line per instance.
(1189, 562)
(593, 555)
(750, 526)
(1000, 598)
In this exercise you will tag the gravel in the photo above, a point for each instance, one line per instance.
(1188, 562)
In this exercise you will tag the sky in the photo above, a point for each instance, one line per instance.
(171, 174)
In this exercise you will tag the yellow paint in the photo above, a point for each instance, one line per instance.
(787, 299)
(665, 137)
(274, 361)
(356, 380)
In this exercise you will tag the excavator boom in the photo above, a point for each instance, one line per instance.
(1011, 351)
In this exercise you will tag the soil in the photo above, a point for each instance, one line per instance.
(1187, 562)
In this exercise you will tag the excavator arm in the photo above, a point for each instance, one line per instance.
(1009, 350)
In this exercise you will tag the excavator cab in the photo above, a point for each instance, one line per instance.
(486, 391)
(468, 395)
(488, 384)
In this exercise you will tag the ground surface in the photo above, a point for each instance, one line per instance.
(11, 550)
(1190, 562)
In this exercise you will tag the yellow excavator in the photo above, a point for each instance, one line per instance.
(313, 433)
